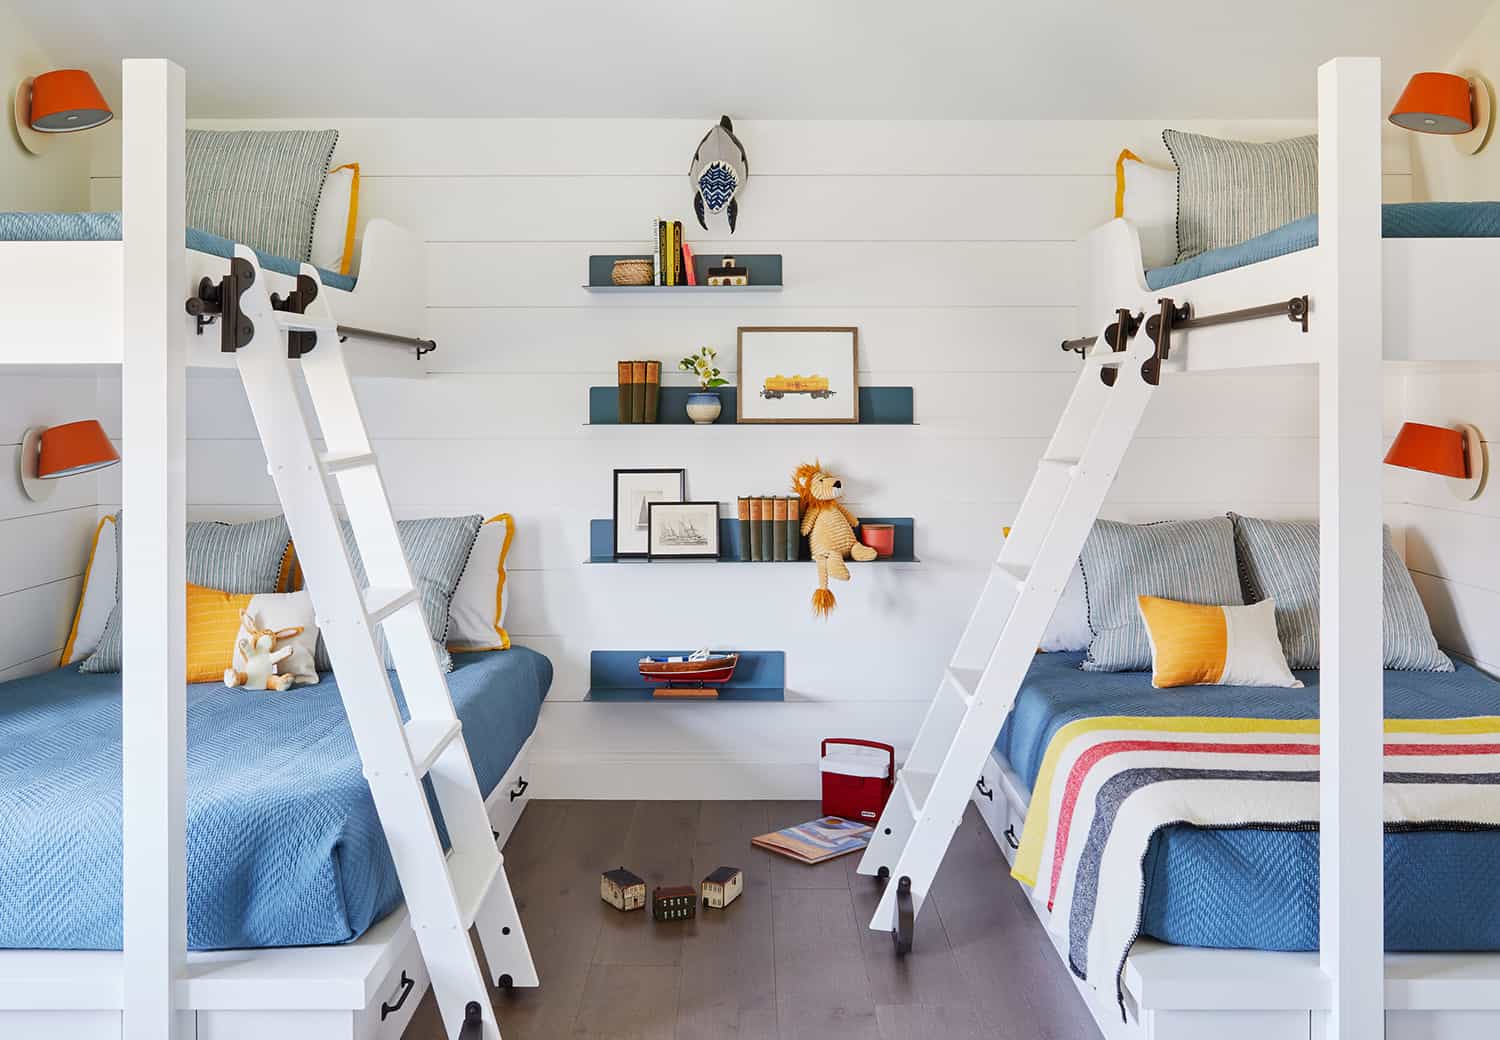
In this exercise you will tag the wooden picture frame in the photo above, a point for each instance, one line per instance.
(822, 389)
(637, 543)
(698, 528)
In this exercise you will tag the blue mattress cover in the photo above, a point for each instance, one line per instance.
(105, 227)
(284, 847)
(1398, 220)
(1258, 888)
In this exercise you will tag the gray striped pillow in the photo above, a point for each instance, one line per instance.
(1191, 561)
(437, 550)
(1279, 560)
(230, 557)
(1230, 191)
(258, 187)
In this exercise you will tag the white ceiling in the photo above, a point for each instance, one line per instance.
(757, 59)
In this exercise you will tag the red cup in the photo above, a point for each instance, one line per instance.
(880, 537)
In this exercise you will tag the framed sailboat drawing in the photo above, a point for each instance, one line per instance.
(683, 530)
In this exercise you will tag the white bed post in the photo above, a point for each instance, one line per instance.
(152, 531)
(1349, 400)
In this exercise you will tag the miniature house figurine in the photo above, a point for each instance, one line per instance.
(723, 887)
(622, 890)
(674, 903)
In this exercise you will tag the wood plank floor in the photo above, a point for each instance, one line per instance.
(791, 959)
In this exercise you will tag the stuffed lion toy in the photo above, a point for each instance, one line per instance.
(829, 528)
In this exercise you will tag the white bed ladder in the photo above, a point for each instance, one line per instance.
(1019, 596)
(445, 892)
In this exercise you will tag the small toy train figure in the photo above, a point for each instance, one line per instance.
(674, 902)
(622, 890)
(723, 887)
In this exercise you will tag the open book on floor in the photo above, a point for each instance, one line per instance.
(817, 840)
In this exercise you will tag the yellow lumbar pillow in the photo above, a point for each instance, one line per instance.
(213, 622)
(1197, 644)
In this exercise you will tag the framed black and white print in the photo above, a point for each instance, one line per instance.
(635, 490)
(684, 530)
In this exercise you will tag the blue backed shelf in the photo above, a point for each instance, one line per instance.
(878, 406)
(764, 268)
(614, 676)
(731, 550)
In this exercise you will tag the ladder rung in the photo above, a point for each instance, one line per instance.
(381, 603)
(918, 786)
(339, 463)
(1106, 358)
(427, 738)
(1012, 574)
(1068, 464)
(293, 322)
(964, 681)
(472, 873)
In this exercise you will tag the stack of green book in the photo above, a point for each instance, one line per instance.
(640, 390)
(769, 528)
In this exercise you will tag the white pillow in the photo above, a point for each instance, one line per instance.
(333, 229)
(476, 614)
(98, 596)
(1068, 631)
(1147, 197)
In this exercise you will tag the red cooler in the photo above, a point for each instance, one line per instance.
(858, 776)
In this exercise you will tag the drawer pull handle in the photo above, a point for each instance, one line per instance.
(986, 790)
(1010, 837)
(521, 786)
(407, 985)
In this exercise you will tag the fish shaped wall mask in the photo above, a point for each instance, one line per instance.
(718, 171)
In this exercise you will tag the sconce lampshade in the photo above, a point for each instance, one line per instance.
(1435, 103)
(66, 100)
(74, 447)
(1431, 449)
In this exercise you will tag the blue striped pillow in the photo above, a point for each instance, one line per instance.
(1279, 560)
(259, 187)
(1191, 561)
(437, 550)
(230, 557)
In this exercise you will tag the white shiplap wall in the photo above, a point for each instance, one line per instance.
(950, 246)
(43, 546)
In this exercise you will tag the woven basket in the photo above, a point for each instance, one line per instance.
(631, 272)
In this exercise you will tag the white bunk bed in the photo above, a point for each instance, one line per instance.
(1370, 299)
(122, 304)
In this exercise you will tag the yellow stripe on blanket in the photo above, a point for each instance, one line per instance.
(1034, 833)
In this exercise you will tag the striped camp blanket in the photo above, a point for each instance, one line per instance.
(1107, 785)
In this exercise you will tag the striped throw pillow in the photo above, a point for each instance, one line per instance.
(1191, 561)
(258, 187)
(1279, 560)
(1196, 644)
(1230, 191)
(437, 550)
(235, 558)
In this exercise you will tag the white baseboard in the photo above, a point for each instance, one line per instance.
(664, 777)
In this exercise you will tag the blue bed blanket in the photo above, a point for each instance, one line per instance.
(105, 227)
(284, 847)
(1258, 888)
(1398, 220)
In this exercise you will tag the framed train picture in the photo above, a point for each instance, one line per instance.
(798, 375)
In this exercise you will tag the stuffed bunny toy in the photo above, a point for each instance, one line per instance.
(256, 656)
(829, 528)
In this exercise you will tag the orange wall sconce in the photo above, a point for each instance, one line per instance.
(49, 453)
(1459, 105)
(1455, 452)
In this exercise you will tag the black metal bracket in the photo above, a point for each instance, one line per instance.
(1118, 335)
(407, 984)
(520, 789)
(222, 300)
(1010, 837)
(298, 344)
(1159, 328)
(985, 789)
(473, 1027)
